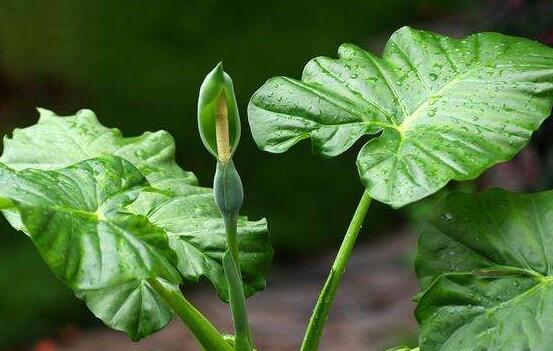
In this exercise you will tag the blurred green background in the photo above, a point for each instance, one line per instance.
(139, 64)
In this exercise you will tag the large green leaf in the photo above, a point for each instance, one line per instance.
(56, 142)
(486, 263)
(77, 217)
(197, 234)
(437, 108)
(192, 222)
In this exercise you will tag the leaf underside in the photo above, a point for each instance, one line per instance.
(487, 266)
(167, 199)
(437, 108)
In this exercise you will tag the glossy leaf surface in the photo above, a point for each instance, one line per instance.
(56, 142)
(197, 234)
(193, 222)
(133, 307)
(78, 220)
(486, 261)
(437, 108)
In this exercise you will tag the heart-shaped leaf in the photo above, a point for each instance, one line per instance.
(193, 222)
(77, 217)
(197, 234)
(438, 108)
(486, 261)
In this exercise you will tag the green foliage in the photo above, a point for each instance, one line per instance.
(56, 142)
(76, 218)
(437, 108)
(133, 307)
(109, 214)
(486, 263)
(144, 74)
(120, 223)
(197, 235)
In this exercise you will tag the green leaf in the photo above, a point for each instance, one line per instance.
(197, 234)
(437, 108)
(133, 307)
(195, 230)
(77, 218)
(56, 142)
(486, 263)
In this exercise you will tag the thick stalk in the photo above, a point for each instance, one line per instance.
(202, 329)
(242, 339)
(328, 292)
(231, 226)
(229, 196)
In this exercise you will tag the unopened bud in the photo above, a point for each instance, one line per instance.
(218, 119)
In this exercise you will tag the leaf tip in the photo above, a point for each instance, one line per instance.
(44, 113)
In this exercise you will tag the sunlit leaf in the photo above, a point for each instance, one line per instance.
(77, 217)
(437, 108)
(186, 210)
(56, 142)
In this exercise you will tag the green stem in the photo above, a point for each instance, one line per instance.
(237, 299)
(328, 293)
(231, 227)
(229, 195)
(202, 329)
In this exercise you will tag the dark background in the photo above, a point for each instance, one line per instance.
(139, 64)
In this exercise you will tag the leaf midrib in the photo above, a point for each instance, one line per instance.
(403, 126)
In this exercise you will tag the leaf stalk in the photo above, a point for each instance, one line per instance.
(205, 333)
(328, 293)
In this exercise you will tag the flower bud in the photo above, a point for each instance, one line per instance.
(228, 191)
(218, 119)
